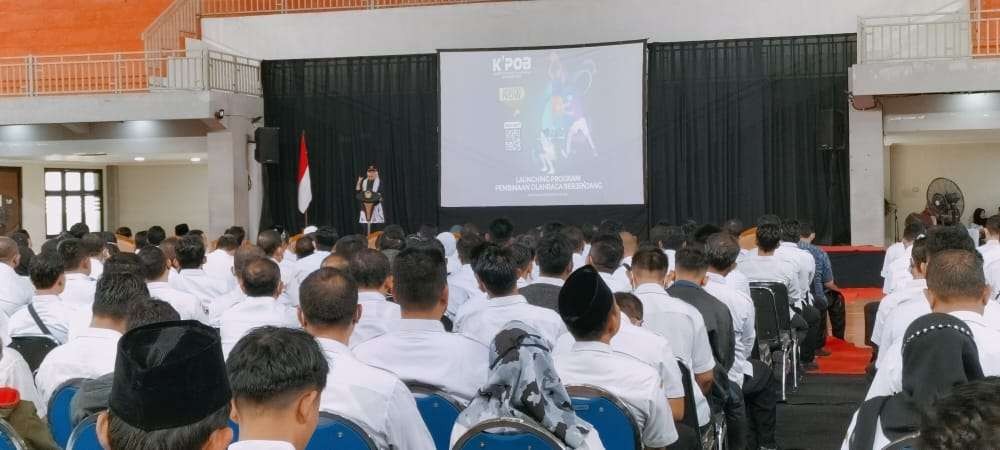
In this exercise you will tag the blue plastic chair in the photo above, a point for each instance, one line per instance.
(236, 430)
(513, 434)
(340, 433)
(609, 416)
(439, 412)
(84, 436)
(59, 417)
(9, 439)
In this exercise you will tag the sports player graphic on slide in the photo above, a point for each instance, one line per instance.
(564, 116)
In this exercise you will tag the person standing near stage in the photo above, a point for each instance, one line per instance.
(370, 183)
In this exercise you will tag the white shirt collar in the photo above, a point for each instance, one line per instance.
(506, 301)
(789, 244)
(419, 325)
(157, 285)
(261, 299)
(916, 283)
(98, 333)
(77, 276)
(716, 277)
(370, 296)
(46, 298)
(970, 317)
(596, 346)
(332, 346)
(650, 288)
(261, 445)
(558, 282)
(192, 272)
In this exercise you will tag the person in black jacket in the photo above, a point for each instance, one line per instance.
(554, 257)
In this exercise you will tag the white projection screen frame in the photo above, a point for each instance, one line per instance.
(543, 126)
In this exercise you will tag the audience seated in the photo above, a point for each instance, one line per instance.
(462, 284)
(680, 323)
(496, 272)
(156, 270)
(14, 294)
(271, 243)
(90, 352)
(938, 353)
(93, 246)
(323, 239)
(47, 275)
(523, 252)
(523, 383)
(376, 398)
(192, 278)
(92, 396)
(170, 391)
(588, 308)
(895, 268)
(884, 333)
(371, 271)
(417, 349)
(261, 282)
(606, 253)
(219, 262)
(966, 418)
(241, 258)
(79, 291)
(554, 259)
(277, 376)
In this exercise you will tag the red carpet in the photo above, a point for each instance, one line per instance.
(861, 294)
(845, 358)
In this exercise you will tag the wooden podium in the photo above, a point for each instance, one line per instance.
(369, 199)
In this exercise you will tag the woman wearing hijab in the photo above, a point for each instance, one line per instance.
(523, 384)
(938, 354)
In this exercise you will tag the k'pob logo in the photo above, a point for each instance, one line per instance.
(507, 64)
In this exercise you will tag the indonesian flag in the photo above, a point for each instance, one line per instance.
(305, 183)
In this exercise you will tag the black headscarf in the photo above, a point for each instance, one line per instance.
(938, 353)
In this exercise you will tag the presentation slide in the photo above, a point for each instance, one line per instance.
(542, 127)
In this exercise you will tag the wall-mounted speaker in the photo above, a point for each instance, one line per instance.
(267, 145)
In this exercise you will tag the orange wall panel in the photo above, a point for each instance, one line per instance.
(50, 27)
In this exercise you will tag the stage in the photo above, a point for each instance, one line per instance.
(856, 267)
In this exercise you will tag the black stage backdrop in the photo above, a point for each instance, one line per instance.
(355, 112)
(731, 131)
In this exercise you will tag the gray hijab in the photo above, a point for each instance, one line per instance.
(523, 384)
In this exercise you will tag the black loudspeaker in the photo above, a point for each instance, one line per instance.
(830, 130)
(267, 145)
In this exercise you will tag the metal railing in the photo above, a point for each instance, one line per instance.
(182, 18)
(116, 73)
(929, 36)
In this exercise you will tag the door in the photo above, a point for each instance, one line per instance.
(10, 199)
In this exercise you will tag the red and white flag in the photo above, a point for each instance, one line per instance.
(305, 183)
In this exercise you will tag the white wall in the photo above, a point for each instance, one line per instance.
(541, 22)
(972, 166)
(164, 195)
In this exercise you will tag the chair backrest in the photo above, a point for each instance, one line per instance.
(908, 442)
(690, 408)
(84, 436)
(766, 314)
(781, 302)
(9, 439)
(34, 348)
(60, 416)
(510, 434)
(341, 433)
(438, 410)
(608, 414)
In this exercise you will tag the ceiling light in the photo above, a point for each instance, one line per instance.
(139, 158)
(196, 159)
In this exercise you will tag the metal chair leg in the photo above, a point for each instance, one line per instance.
(795, 364)
(784, 376)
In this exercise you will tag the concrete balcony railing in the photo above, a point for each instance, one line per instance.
(182, 18)
(929, 36)
(115, 73)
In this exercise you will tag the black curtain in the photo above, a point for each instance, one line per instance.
(354, 112)
(732, 131)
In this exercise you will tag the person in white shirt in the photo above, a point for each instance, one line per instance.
(93, 245)
(668, 238)
(913, 291)
(156, 270)
(324, 238)
(606, 252)
(581, 249)
(79, 292)
(991, 249)
(243, 256)
(955, 286)
(277, 376)
(416, 348)
(261, 283)
(765, 265)
(191, 278)
(524, 258)
(219, 262)
(170, 391)
(462, 284)
(759, 385)
(47, 276)
(588, 308)
(554, 258)
(375, 398)
(806, 265)
(13, 293)
(370, 269)
(898, 251)
(497, 274)
(91, 352)
(676, 320)
(270, 242)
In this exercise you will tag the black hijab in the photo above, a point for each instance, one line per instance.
(938, 353)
